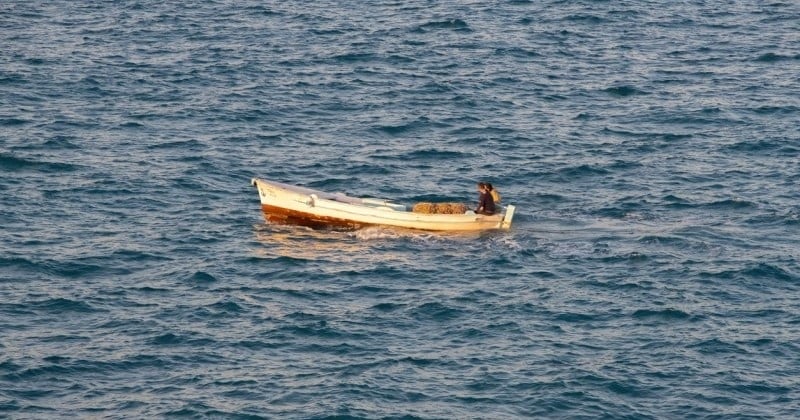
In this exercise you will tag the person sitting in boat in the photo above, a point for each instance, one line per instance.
(493, 191)
(485, 201)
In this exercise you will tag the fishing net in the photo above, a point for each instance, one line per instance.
(440, 208)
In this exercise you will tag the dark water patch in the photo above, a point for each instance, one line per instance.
(19, 265)
(633, 257)
(182, 145)
(372, 169)
(82, 269)
(287, 292)
(201, 277)
(622, 211)
(776, 58)
(581, 171)
(340, 349)
(619, 285)
(456, 25)
(677, 202)
(716, 346)
(760, 271)
(477, 296)
(479, 135)
(624, 91)
(64, 339)
(770, 272)
(786, 110)
(388, 307)
(666, 240)
(756, 146)
(585, 18)
(171, 339)
(730, 204)
(61, 142)
(13, 122)
(574, 317)
(228, 307)
(29, 394)
(63, 305)
(137, 256)
(14, 163)
(261, 345)
(773, 218)
(401, 129)
(355, 57)
(317, 330)
(69, 367)
(435, 311)
(668, 314)
(517, 52)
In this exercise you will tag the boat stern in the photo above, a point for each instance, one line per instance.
(508, 217)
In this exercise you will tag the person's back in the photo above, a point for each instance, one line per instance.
(493, 191)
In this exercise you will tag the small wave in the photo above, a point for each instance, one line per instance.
(663, 314)
(716, 346)
(756, 146)
(457, 25)
(201, 277)
(13, 163)
(437, 154)
(582, 171)
(227, 306)
(258, 345)
(319, 329)
(732, 204)
(179, 144)
(591, 19)
(388, 307)
(769, 271)
(61, 305)
(516, 52)
(435, 311)
(630, 257)
(761, 271)
(575, 317)
(12, 122)
(624, 91)
(64, 367)
(170, 339)
(399, 129)
(774, 58)
(19, 263)
(663, 240)
(354, 57)
(779, 110)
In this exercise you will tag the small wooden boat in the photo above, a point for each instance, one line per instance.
(290, 204)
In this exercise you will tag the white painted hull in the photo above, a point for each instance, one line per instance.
(297, 205)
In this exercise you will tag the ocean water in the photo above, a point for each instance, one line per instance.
(652, 149)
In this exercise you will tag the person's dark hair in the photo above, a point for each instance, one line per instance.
(482, 184)
(489, 186)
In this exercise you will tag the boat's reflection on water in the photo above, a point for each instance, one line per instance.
(301, 242)
(385, 243)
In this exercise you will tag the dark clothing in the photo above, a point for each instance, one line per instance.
(485, 204)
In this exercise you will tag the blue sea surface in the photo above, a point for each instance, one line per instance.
(652, 149)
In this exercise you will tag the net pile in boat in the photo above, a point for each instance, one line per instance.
(440, 208)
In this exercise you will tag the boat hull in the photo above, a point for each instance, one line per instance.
(282, 203)
(275, 214)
